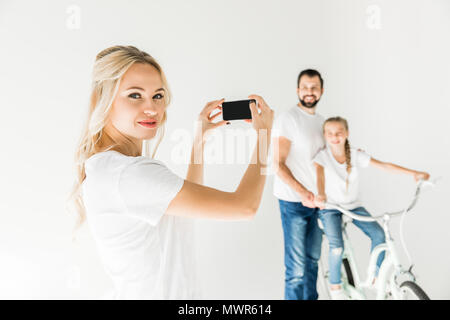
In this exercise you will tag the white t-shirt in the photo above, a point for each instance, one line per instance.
(306, 135)
(336, 175)
(147, 254)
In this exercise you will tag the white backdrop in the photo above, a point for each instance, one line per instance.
(385, 66)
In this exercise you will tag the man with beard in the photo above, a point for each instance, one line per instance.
(298, 136)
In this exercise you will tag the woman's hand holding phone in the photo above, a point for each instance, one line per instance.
(260, 120)
(205, 119)
(264, 119)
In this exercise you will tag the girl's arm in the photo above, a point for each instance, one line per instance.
(418, 175)
(197, 201)
(320, 199)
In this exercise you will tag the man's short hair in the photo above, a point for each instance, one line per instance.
(309, 73)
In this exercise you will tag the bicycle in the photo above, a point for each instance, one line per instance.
(391, 270)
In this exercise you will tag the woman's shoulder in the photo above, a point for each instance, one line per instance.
(105, 157)
(111, 160)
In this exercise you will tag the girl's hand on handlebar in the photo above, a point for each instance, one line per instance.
(319, 201)
(421, 176)
(263, 120)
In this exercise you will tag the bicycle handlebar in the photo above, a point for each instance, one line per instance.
(352, 215)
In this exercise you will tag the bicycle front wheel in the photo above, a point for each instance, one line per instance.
(411, 291)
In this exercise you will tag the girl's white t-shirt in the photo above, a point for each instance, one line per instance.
(147, 254)
(336, 175)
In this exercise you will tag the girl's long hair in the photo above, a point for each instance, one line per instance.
(109, 67)
(348, 158)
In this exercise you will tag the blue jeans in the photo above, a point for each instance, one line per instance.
(332, 225)
(302, 246)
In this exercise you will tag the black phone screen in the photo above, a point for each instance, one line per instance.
(237, 110)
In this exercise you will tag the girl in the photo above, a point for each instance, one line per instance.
(134, 205)
(337, 182)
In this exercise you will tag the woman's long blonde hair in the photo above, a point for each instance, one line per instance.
(109, 67)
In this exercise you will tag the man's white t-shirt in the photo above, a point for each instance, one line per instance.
(336, 175)
(306, 135)
(147, 254)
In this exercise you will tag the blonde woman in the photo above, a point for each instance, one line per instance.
(135, 206)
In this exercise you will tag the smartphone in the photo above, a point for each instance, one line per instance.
(237, 110)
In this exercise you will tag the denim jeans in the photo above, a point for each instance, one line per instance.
(302, 246)
(332, 225)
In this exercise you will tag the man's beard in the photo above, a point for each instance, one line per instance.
(308, 105)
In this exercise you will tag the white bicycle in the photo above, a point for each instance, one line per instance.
(393, 281)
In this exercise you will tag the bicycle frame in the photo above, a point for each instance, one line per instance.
(390, 269)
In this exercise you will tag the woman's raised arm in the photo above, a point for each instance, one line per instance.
(197, 201)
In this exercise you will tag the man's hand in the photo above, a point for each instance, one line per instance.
(307, 198)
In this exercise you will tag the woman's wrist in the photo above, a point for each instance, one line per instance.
(262, 147)
(199, 139)
(199, 135)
